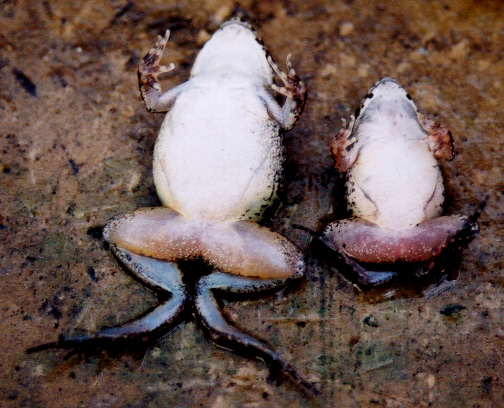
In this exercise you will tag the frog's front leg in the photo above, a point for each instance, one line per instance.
(226, 335)
(439, 137)
(148, 72)
(295, 92)
(343, 147)
(163, 277)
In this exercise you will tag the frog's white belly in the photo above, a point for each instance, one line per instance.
(396, 184)
(218, 155)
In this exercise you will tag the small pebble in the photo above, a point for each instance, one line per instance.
(346, 28)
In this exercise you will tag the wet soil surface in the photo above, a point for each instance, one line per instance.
(76, 149)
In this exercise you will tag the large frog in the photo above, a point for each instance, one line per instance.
(217, 167)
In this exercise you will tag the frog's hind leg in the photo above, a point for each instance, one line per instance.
(359, 241)
(162, 276)
(226, 335)
(367, 242)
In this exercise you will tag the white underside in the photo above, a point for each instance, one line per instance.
(395, 181)
(218, 152)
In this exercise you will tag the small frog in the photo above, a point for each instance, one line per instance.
(394, 189)
(217, 168)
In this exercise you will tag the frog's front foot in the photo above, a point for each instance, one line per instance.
(377, 254)
(148, 72)
(342, 146)
(439, 137)
(293, 89)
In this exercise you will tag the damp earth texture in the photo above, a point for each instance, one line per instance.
(76, 149)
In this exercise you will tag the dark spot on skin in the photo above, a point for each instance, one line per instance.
(75, 167)
(150, 59)
(350, 146)
(25, 82)
(369, 95)
(450, 310)
(259, 39)
(95, 232)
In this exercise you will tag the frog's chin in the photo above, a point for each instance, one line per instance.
(234, 48)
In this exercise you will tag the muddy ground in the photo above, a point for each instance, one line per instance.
(76, 148)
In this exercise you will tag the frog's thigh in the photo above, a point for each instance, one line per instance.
(241, 248)
(366, 242)
(247, 249)
(157, 232)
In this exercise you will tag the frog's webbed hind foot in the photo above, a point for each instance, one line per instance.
(161, 276)
(226, 335)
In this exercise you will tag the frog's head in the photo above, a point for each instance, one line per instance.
(387, 98)
(234, 48)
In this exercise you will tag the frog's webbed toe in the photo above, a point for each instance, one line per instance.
(159, 275)
(226, 335)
